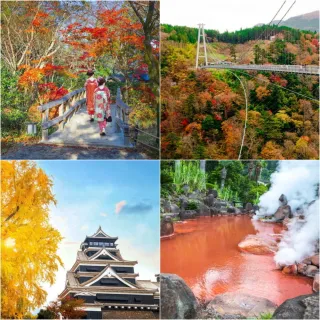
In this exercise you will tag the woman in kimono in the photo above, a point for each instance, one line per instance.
(90, 86)
(102, 105)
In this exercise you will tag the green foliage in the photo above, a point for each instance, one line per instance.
(209, 123)
(45, 314)
(189, 173)
(192, 205)
(190, 35)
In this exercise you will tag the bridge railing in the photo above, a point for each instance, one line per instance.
(68, 105)
(122, 117)
(132, 134)
(306, 69)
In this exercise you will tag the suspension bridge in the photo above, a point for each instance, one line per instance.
(202, 62)
(221, 64)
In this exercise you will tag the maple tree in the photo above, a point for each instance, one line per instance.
(29, 242)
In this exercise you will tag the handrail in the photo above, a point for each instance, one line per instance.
(55, 103)
(68, 105)
(308, 69)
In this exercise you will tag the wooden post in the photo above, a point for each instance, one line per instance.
(126, 129)
(45, 118)
(61, 112)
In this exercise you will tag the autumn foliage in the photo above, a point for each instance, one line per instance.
(203, 112)
(29, 242)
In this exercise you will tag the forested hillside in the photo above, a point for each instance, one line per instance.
(203, 112)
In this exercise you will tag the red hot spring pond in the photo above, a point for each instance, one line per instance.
(204, 252)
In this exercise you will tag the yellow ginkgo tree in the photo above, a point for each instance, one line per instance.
(29, 243)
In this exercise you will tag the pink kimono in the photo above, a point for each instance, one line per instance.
(101, 106)
(90, 85)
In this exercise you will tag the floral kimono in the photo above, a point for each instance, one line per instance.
(101, 105)
(90, 86)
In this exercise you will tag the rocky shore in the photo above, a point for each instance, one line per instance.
(179, 302)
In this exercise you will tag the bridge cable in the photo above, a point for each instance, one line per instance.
(284, 88)
(246, 117)
(245, 52)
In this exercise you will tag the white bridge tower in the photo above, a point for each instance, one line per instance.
(203, 46)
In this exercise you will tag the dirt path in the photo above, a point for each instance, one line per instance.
(50, 152)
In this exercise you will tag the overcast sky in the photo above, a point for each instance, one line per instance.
(121, 196)
(230, 15)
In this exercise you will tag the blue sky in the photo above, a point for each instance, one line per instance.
(121, 196)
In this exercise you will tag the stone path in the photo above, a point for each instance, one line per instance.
(51, 152)
(79, 131)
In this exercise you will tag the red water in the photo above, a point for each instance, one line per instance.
(204, 252)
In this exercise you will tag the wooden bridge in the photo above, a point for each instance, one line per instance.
(312, 70)
(75, 129)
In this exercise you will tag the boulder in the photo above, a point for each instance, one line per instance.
(177, 299)
(315, 260)
(302, 267)
(213, 192)
(256, 245)
(307, 260)
(231, 210)
(188, 214)
(311, 271)
(283, 212)
(315, 285)
(293, 269)
(166, 227)
(170, 208)
(234, 305)
(283, 200)
(209, 200)
(249, 206)
(203, 209)
(301, 307)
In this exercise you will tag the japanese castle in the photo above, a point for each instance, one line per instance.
(107, 282)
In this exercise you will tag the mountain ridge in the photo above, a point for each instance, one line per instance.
(307, 21)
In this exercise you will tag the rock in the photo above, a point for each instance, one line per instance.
(301, 307)
(231, 210)
(315, 285)
(307, 260)
(203, 209)
(256, 208)
(283, 212)
(293, 269)
(213, 192)
(188, 214)
(170, 208)
(302, 267)
(249, 206)
(283, 200)
(256, 245)
(229, 305)
(166, 227)
(177, 299)
(315, 260)
(311, 271)
(209, 200)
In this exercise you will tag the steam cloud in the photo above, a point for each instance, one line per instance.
(299, 181)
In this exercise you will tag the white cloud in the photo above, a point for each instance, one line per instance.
(84, 227)
(120, 205)
(103, 214)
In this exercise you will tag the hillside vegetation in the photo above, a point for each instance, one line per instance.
(203, 112)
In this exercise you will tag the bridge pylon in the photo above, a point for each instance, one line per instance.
(201, 33)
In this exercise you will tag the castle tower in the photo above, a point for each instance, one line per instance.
(108, 283)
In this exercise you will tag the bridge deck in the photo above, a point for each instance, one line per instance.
(79, 131)
(314, 70)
